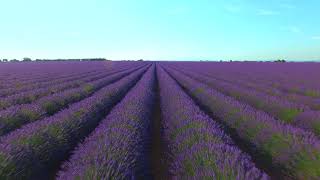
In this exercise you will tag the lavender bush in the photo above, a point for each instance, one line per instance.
(15, 116)
(292, 151)
(118, 148)
(29, 96)
(197, 144)
(31, 151)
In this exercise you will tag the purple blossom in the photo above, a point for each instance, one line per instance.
(292, 151)
(31, 151)
(16, 116)
(198, 147)
(118, 148)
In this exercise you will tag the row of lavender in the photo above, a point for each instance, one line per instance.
(295, 113)
(36, 149)
(33, 93)
(218, 146)
(268, 86)
(8, 91)
(271, 87)
(62, 76)
(198, 147)
(120, 146)
(15, 116)
(22, 74)
(284, 150)
(291, 78)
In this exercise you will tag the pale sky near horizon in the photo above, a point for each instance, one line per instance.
(166, 29)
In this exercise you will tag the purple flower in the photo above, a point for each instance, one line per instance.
(31, 151)
(198, 147)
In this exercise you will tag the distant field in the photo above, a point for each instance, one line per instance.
(159, 120)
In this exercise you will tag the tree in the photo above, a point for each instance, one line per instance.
(26, 59)
(14, 60)
(5, 60)
(94, 59)
(280, 61)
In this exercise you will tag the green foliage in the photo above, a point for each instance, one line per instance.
(91, 173)
(196, 138)
(288, 115)
(6, 167)
(312, 93)
(88, 88)
(56, 132)
(252, 132)
(189, 168)
(50, 107)
(198, 90)
(205, 159)
(76, 96)
(79, 113)
(185, 128)
(306, 166)
(316, 127)
(276, 144)
(28, 115)
(32, 141)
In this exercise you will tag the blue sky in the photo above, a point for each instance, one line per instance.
(166, 29)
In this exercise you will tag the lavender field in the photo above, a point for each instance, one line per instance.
(159, 120)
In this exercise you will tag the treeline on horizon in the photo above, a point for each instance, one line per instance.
(30, 60)
(104, 59)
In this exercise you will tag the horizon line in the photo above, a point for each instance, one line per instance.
(134, 59)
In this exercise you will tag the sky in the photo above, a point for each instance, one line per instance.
(161, 30)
